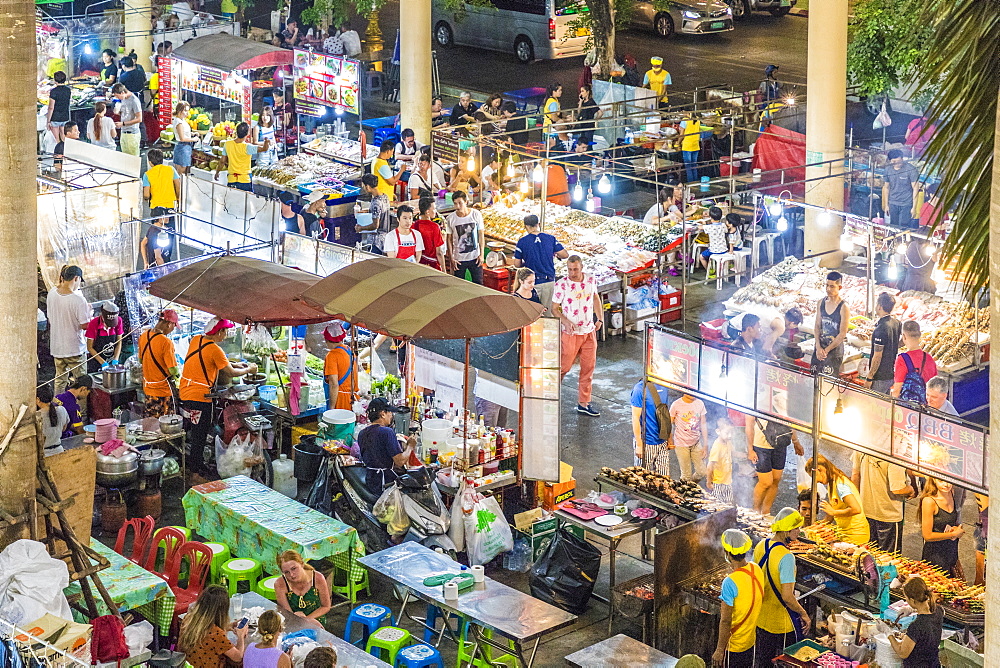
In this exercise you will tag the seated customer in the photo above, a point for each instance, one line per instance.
(203, 631)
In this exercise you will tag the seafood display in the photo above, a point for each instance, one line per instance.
(342, 149)
(301, 169)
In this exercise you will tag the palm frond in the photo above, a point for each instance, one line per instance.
(963, 64)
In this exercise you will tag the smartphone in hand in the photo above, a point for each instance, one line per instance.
(243, 622)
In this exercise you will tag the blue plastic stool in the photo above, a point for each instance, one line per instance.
(371, 616)
(433, 614)
(419, 656)
(383, 134)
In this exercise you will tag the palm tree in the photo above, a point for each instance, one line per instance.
(18, 290)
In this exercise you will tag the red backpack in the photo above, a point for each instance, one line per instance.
(107, 641)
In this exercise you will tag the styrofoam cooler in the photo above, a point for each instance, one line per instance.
(885, 655)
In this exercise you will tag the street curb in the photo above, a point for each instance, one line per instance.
(804, 13)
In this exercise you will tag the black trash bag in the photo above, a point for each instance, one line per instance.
(566, 573)
(320, 496)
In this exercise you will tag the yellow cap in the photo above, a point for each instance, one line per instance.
(736, 542)
(787, 519)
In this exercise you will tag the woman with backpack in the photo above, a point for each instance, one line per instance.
(913, 368)
(203, 631)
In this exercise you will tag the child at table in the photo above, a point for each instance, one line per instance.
(266, 653)
(720, 463)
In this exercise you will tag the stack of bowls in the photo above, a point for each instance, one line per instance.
(106, 429)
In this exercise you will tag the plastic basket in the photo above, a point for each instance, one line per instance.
(632, 606)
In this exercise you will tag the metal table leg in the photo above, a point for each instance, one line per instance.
(612, 551)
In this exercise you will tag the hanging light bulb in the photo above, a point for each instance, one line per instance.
(839, 408)
(590, 202)
(938, 275)
(524, 186)
(824, 217)
(511, 170)
(163, 239)
(901, 247)
(604, 185)
(846, 242)
(775, 208)
(782, 224)
(929, 249)
(87, 49)
(577, 192)
(892, 273)
(536, 173)
(470, 164)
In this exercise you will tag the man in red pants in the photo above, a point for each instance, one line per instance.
(576, 303)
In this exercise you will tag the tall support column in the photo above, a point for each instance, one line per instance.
(826, 118)
(415, 67)
(138, 30)
(18, 290)
(992, 652)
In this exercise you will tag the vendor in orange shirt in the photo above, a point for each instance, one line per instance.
(339, 369)
(204, 362)
(159, 365)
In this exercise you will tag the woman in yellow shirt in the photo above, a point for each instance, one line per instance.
(844, 502)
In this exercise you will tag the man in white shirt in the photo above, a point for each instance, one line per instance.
(937, 396)
(491, 173)
(350, 40)
(404, 242)
(407, 148)
(576, 303)
(466, 239)
(68, 313)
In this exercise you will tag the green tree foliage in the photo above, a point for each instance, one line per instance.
(886, 43)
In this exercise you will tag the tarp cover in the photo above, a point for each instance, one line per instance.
(228, 53)
(408, 300)
(241, 289)
(783, 149)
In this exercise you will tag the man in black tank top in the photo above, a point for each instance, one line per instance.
(832, 316)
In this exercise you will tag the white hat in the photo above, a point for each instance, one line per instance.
(315, 196)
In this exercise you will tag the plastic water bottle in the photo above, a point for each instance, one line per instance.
(284, 476)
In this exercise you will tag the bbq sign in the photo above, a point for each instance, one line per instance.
(673, 360)
(936, 444)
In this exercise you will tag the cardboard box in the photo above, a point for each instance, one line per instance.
(554, 494)
(577, 531)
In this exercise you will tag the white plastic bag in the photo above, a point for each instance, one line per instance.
(238, 458)
(487, 533)
(138, 636)
(32, 583)
(457, 529)
(389, 510)
(883, 120)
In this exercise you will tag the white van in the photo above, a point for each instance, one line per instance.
(529, 29)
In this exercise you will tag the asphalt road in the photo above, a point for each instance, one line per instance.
(736, 58)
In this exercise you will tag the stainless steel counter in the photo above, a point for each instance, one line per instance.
(620, 651)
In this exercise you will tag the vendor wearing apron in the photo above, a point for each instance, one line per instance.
(782, 621)
(204, 361)
(380, 449)
(338, 368)
(104, 338)
(742, 597)
(159, 365)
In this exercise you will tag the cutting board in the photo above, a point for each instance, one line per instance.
(582, 514)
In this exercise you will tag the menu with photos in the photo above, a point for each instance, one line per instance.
(331, 81)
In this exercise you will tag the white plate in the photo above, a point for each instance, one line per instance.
(609, 520)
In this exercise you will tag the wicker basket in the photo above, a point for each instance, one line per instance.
(632, 606)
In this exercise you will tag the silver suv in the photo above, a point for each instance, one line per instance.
(743, 8)
(689, 17)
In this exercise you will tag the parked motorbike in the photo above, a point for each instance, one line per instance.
(429, 518)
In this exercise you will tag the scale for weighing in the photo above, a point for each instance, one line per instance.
(496, 258)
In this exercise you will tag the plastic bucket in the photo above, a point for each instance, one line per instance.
(308, 457)
(341, 422)
(435, 433)
(268, 393)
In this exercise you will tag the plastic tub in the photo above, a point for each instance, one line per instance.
(268, 393)
(435, 433)
(341, 422)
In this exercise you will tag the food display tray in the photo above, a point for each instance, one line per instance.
(654, 501)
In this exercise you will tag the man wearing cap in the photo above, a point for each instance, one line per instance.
(782, 619)
(657, 79)
(104, 337)
(380, 449)
(204, 362)
(770, 87)
(75, 396)
(338, 369)
(742, 596)
(69, 316)
(159, 365)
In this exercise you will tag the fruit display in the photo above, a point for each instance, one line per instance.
(683, 493)
(342, 149)
(224, 130)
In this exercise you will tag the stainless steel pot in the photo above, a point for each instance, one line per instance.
(114, 377)
(171, 424)
(115, 465)
(118, 480)
(151, 462)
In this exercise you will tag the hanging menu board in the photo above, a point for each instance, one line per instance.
(332, 81)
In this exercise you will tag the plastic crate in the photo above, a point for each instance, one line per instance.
(670, 307)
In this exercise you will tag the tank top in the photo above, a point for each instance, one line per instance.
(177, 133)
(261, 657)
(830, 322)
(266, 133)
(306, 603)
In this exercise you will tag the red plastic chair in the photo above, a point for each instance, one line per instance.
(171, 539)
(199, 557)
(142, 531)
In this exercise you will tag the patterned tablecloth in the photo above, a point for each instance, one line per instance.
(258, 522)
(132, 588)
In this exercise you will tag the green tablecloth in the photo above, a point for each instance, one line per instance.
(258, 522)
(131, 588)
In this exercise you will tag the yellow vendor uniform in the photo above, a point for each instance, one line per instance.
(238, 154)
(160, 179)
(691, 140)
(780, 569)
(657, 79)
(742, 598)
(380, 167)
(854, 527)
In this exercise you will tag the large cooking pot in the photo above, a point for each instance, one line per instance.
(118, 480)
(114, 377)
(171, 424)
(108, 464)
(152, 462)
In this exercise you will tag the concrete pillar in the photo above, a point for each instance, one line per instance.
(415, 67)
(826, 117)
(992, 651)
(138, 31)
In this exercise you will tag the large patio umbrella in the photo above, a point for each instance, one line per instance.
(413, 301)
(242, 289)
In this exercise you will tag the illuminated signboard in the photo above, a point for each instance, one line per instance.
(332, 81)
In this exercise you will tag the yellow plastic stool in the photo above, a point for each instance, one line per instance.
(390, 639)
(183, 530)
(266, 588)
(220, 555)
(246, 570)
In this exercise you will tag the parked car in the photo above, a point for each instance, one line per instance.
(743, 8)
(688, 17)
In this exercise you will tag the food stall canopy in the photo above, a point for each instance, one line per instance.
(241, 289)
(412, 301)
(229, 53)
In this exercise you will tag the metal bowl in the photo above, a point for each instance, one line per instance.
(171, 424)
(117, 480)
(255, 379)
